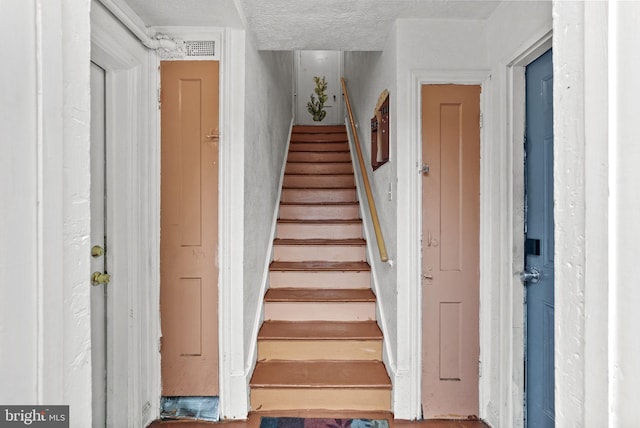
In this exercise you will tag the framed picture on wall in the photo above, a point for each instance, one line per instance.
(380, 132)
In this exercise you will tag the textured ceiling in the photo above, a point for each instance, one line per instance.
(196, 13)
(308, 24)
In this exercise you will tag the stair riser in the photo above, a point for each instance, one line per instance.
(320, 212)
(318, 195)
(328, 279)
(319, 157)
(332, 253)
(319, 138)
(319, 168)
(319, 231)
(319, 147)
(363, 399)
(320, 311)
(301, 350)
(318, 181)
(315, 129)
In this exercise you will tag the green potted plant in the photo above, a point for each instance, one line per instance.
(316, 106)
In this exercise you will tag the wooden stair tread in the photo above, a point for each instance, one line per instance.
(320, 330)
(313, 174)
(318, 174)
(313, 265)
(337, 220)
(321, 204)
(320, 162)
(313, 241)
(318, 139)
(318, 188)
(319, 295)
(341, 151)
(320, 374)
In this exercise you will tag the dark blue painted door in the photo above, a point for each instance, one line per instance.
(539, 245)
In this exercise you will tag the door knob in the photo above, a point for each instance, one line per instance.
(98, 278)
(97, 251)
(532, 275)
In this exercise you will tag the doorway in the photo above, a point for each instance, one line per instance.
(99, 278)
(189, 228)
(538, 276)
(310, 65)
(450, 250)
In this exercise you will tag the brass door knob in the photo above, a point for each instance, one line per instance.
(98, 278)
(97, 251)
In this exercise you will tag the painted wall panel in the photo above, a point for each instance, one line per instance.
(190, 318)
(190, 152)
(451, 183)
(450, 337)
(18, 213)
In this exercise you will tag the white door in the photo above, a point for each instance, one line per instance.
(98, 257)
(310, 64)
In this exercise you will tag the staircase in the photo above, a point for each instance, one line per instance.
(319, 347)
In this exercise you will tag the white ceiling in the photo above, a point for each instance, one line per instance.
(308, 24)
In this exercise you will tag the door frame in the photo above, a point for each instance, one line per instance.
(114, 48)
(296, 66)
(513, 304)
(409, 370)
(131, 127)
(235, 363)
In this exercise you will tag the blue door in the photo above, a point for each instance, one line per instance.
(539, 245)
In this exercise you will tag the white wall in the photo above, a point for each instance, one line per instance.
(367, 74)
(268, 113)
(18, 211)
(597, 205)
(624, 176)
(44, 207)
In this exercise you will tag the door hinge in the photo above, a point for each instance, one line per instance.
(159, 98)
(481, 120)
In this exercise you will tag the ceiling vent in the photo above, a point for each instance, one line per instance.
(200, 48)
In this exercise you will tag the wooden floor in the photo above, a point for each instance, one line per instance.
(254, 421)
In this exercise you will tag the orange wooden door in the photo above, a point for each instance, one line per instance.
(450, 250)
(189, 228)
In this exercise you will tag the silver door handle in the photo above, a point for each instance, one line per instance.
(532, 275)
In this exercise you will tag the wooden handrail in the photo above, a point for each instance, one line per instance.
(365, 177)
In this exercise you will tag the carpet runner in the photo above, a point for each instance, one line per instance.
(270, 422)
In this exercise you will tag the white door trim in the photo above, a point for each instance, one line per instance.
(234, 388)
(233, 372)
(133, 360)
(297, 57)
(409, 369)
